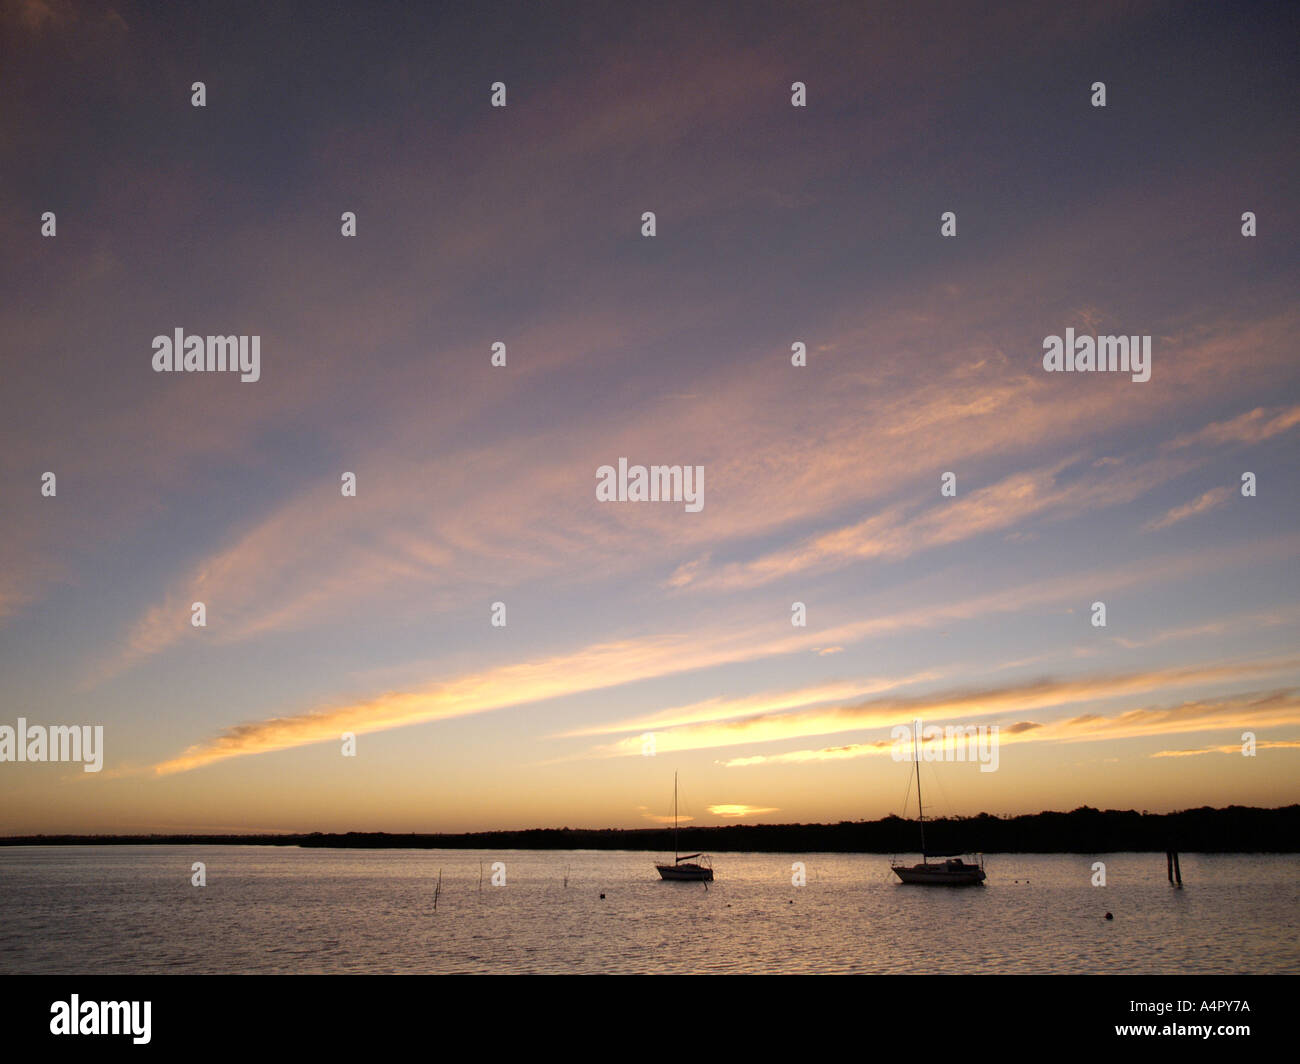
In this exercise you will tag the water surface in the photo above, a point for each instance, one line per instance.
(131, 909)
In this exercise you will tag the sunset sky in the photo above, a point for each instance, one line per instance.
(476, 484)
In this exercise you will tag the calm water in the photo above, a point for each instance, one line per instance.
(131, 909)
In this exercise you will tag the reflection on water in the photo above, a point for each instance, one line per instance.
(131, 909)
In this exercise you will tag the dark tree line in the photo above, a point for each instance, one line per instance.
(1236, 829)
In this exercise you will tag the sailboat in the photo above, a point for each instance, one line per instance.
(950, 872)
(684, 867)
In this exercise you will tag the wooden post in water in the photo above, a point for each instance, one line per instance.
(437, 890)
(1178, 872)
(1172, 867)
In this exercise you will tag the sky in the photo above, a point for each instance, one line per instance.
(476, 483)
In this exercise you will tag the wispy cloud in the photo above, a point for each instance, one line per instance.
(962, 704)
(1054, 492)
(612, 663)
(1251, 621)
(1242, 711)
(1254, 426)
(270, 579)
(725, 708)
(1232, 748)
(1208, 500)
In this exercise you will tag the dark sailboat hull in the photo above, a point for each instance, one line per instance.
(691, 872)
(940, 875)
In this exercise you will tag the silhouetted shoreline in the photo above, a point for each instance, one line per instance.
(1236, 829)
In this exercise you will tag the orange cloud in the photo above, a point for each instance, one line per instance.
(960, 705)
(618, 662)
(1231, 748)
(737, 811)
(1243, 711)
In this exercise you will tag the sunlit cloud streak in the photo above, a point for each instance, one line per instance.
(737, 811)
(1244, 711)
(614, 663)
(313, 558)
(1204, 502)
(1254, 426)
(905, 529)
(723, 708)
(966, 704)
(1232, 748)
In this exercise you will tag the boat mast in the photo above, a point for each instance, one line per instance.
(920, 809)
(674, 818)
